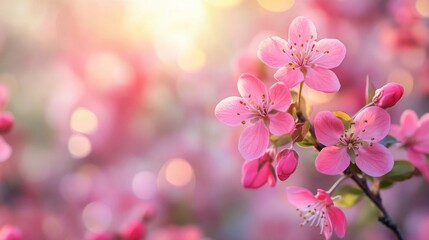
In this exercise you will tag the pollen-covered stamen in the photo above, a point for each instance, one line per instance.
(314, 214)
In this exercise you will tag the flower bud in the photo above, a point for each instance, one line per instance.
(133, 231)
(258, 172)
(6, 122)
(9, 232)
(287, 161)
(388, 95)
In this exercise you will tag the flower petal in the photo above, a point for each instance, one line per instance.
(272, 52)
(409, 120)
(333, 52)
(332, 160)
(395, 131)
(300, 197)
(251, 88)
(254, 141)
(328, 128)
(322, 79)
(289, 76)
(281, 123)
(375, 160)
(302, 33)
(373, 123)
(416, 158)
(280, 97)
(5, 150)
(231, 112)
(338, 220)
(421, 136)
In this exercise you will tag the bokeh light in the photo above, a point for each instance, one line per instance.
(97, 216)
(276, 5)
(404, 77)
(83, 121)
(178, 172)
(422, 7)
(79, 146)
(144, 185)
(224, 3)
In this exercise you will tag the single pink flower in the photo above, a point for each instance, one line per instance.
(9, 232)
(388, 95)
(318, 211)
(261, 110)
(303, 58)
(358, 143)
(255, 173)
(414, 137)
(133, 231)
(287, 161)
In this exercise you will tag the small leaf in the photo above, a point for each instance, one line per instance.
(388, 141)
(350, 195)
(402, 170)
(344, 117)
(370, 91)
(280, 140)
(308, 141)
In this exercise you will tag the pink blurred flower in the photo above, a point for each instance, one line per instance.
(388, 95)
(369, 127)
(133, 231)
(188, 232)
(9, 232)
(287, 161)
(318, 211)
(414, 137)
(303, 58)
(255, 173)
(260, 108)
(6, 122)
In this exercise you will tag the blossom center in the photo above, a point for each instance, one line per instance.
(314, 215)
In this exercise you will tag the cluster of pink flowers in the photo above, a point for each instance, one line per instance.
(268, 114)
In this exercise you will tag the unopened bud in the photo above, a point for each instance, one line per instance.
(287, 161)
(255, 173)
(388, 95)
(6, 122)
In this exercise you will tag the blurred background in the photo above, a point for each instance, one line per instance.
(113, 103)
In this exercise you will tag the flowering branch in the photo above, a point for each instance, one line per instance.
(385, 219)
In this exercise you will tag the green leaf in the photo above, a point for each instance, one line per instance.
(370, 91)
(280, 140)
(350, 196)
(402, 170)
(388, 141)
(308, 141)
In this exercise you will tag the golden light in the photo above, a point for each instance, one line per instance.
(83, 120)
(224, 3)
(96, 216)
(276, 5)
(191, 60)
(404, 77)
(79, 146)
(422, 7)
(319, 97)
(178, 172)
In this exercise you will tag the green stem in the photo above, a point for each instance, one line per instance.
(299, 96)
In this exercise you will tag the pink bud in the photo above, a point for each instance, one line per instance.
(134, 231)
(9, 232)
(6, 122)
(388, 95)
(287, 161)
(258, 172)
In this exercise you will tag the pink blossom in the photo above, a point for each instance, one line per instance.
(359, 143)
(9, 232)
(413, 133)
(287, 161)
(255, 173)
(388, 95)
(6, 122)
(133, 231)
(261, 110)
(303, 57)
(318, 211)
